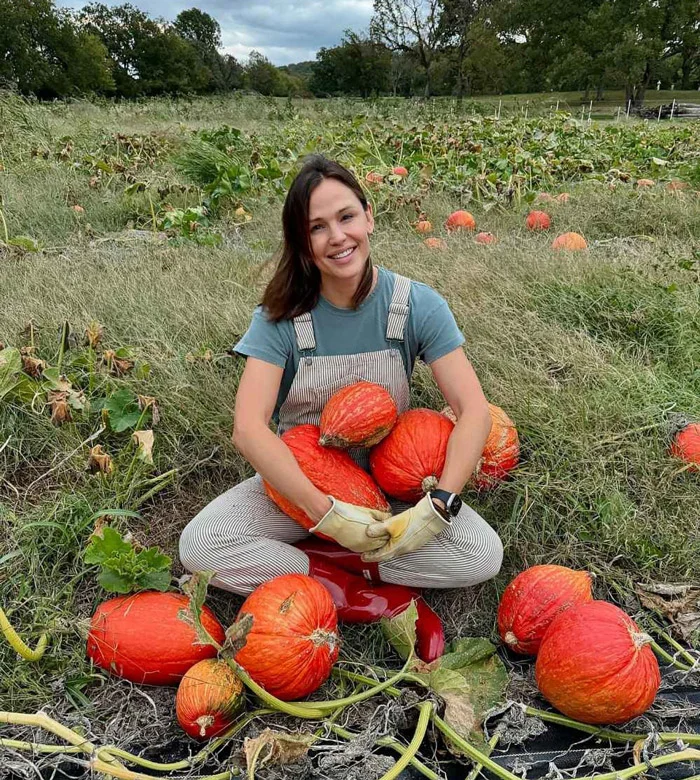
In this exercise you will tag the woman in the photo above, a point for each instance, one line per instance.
(330, 318)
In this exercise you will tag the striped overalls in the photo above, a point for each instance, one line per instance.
(246, 539)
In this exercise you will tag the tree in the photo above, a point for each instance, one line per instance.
(359, 66)
(411, 26)
(198, 28)
(261, 75)
(456, 21)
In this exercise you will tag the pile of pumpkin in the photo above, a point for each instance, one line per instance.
(407, 452)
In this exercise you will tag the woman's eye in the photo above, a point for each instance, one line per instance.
(315, 228)
(348, 216)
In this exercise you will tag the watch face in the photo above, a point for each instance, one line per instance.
(455, 506)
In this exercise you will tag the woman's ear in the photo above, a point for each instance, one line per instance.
(370, 217)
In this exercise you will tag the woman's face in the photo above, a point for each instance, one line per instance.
(339, 228)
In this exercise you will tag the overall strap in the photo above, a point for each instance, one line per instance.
(398, 309)
(304, 331)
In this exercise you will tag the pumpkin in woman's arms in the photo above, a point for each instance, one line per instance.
(291, 635)
(501, 453)
(408, 463)
(359, 415)
(331, 470)
(596, 666)
(208, 698)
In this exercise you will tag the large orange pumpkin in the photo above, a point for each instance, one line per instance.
(294, 641)
(359, 415)
(460, 220)
(409, 461)
(141, 638)
(332, 471)
(208, 698)
(596, 666)
(686, 445)
(533, 599)
(501, 453)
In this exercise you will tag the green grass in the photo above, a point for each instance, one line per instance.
(591, 354)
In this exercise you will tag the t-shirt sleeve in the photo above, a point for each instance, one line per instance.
(264, 340)
(437, 332)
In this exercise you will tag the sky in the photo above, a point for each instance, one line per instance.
(283, 30)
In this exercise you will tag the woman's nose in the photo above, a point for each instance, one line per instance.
(337, 233)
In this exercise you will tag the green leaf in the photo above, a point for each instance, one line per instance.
(114, 582)
(27, 243)
(471, 679)
(123, 410)
(154, 560)
(400, 631)
(155, 580)
(106, 545)
(10, 368)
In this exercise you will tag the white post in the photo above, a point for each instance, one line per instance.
(673, 106)
(527, 106)
(590, 109)
(658, 118)
(629, 105)
(557, 108)
(499, 108)
(619, 108)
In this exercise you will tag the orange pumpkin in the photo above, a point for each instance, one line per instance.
(208, 698)
(563, 197)
(686, 445)
(501, 453)
(399, 170)
(571, 241)
(141, 638)
(374, 178)
(485, 238)
(533, 599)
(332, 471)
(596, 666)
(544, 197)
(641, 183)
(293, 642)
(424, 226)
(677, 185)
(538, 220)
(409, 461)
(435, 243)
(359, 415)
(460, 220)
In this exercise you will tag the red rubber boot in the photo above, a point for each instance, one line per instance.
(359, 602)
(339, 556)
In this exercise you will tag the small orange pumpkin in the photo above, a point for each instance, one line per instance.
(641, 183)
(686, 445)
(424, 226)
(293, 642)
(460, 220)
(533, 599)
(538, 220)
(359, 415)
(399, 170)
(570, 241)
(485, 238)
(677, 185)
(208, 698)
(374, 178)
(409, 461)
(596, 666)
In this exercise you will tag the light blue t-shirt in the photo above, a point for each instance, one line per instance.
(431, 331)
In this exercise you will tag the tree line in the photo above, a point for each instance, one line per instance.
(412, 47)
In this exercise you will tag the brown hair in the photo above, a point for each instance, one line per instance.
(295, 286)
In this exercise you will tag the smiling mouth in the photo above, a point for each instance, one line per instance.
(342, 254)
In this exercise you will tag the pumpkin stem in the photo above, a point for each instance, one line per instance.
(320, 637)
(429, 483)
(204, 721)
(17, 644)
(511, 639)
(640, 639)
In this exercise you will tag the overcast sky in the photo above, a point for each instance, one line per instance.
(283, 30)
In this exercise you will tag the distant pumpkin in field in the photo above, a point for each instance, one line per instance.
(563, 197)
(538, 220)
(485, 238)
(399, 170)
(460, 220)
(570, 241)
(435, 243)
(424, 226)
(642, 183)
(374, 178)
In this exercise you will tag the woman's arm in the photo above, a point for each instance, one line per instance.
(266, 452)
(460, 386)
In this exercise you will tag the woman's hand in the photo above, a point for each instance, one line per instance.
(348, 524)
(408, 531)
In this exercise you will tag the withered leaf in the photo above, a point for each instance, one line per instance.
(276, 747)
(33, 366)
(149, 402)
(60, 410)
(116, 365)
(94, 333)
(666, 589)
(144, 442)
(99, 461)
(236, 635)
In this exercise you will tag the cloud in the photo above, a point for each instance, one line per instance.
(281, 30)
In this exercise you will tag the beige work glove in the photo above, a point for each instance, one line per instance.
(348, 524)
(408, 530)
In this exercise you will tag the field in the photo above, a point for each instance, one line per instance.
(135, 240)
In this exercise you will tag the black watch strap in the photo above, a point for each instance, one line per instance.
(447, 498)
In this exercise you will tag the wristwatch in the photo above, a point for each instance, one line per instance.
(453, 503)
